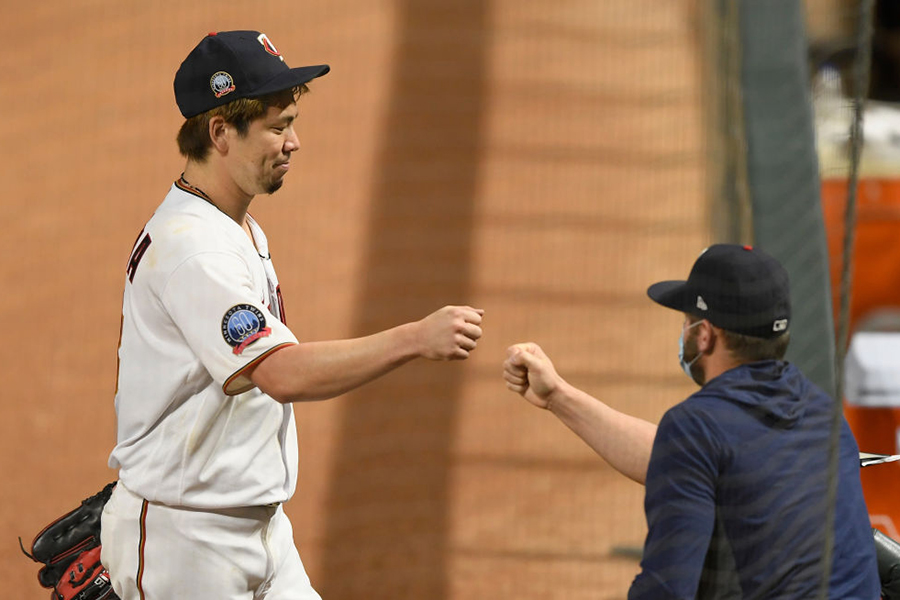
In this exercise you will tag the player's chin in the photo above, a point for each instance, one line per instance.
(274, 185)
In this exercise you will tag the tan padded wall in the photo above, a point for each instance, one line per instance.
(541, 160)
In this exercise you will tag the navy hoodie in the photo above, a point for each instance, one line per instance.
(736, 495)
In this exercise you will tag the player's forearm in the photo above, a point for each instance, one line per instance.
(623, 441)
(322, 370)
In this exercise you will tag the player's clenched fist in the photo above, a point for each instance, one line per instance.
(450, 333)
(529, 372)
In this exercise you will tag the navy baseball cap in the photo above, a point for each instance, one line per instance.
(737, 288)
(229, 65)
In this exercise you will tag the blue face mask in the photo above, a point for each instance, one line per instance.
(686, 366)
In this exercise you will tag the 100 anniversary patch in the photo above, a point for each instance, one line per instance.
(242, 325)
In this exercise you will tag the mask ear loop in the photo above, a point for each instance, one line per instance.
(686, 366)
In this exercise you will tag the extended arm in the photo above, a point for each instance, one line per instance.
(623, 441)
(321, 370)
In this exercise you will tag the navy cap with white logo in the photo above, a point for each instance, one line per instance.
(737, 288)
(229, 65)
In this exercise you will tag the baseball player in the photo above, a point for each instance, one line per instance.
(736, 474)
(206, 440)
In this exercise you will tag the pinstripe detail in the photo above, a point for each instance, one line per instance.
(140, 572)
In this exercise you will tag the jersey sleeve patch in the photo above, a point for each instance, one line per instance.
(242, 325)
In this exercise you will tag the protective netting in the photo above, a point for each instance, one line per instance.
(543, 161)
(855, 63)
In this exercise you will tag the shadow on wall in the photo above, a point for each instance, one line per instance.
(387, 531)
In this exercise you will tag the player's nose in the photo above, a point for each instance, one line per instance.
(291, 142)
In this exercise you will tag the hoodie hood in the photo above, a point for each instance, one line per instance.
(772, 389)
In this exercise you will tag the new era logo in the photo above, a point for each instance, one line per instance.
(701, 304)
(780, 325)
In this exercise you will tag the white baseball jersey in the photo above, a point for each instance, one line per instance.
(201, 305)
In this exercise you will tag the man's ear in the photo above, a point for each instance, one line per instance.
(218, 134)
(706, 337)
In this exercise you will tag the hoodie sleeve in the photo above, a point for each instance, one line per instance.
(679, 505)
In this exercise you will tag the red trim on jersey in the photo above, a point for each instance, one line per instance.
(249, 386)
(184, 186)
(141, 546)
(119, 347)
(264, 332)
(281, 314)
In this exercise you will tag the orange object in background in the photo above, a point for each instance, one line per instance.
(876, 250)
(872, 393)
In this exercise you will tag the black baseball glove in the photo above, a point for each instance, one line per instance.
(69, 548)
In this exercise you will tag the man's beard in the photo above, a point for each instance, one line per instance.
(274, 186)
(691, 351)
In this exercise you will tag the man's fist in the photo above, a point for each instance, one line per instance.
(450, 333)
(529, 372)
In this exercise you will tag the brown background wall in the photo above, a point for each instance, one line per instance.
(540, 160)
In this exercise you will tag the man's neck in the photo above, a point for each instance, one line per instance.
(717, 363)
(218, 189)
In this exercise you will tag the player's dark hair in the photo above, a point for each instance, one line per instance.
(193, 137)
(748, 348)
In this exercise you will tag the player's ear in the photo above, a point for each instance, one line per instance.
(218, 130)
(706, 337)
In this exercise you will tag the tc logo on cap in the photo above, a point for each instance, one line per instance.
(269, 46)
